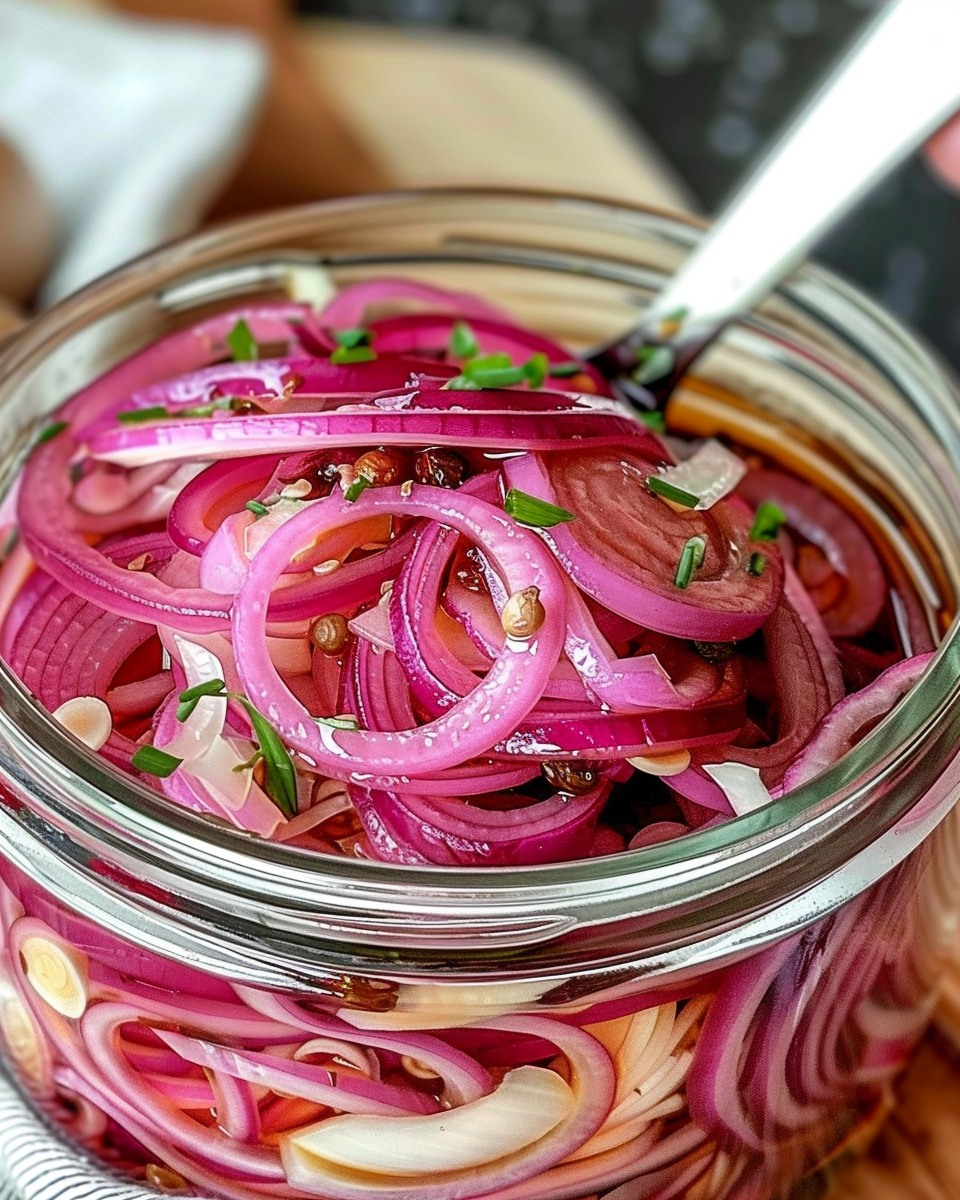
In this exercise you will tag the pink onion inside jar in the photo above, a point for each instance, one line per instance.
(395, 581)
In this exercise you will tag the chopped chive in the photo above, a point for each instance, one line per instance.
(756, 564)
(131, 415)
(565, 370)
(345, 356)
(691, 559)
(49, 432)
(258, 508)
(346, 721)
(191, 697)
(489, 362)
(670, 491)
(767, 523)
(152, 761)
(463, 341)
(496, 377)
(204, 410)
(653, 363)
(281, 781)
(357, 488)
(653, 420)
(349, 339)
(209, 687)
(535, 369)
(532, 511)
(460, 383)
(242, 344)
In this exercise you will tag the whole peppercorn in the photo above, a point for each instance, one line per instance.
(329, 633)
(523, 614)
(441, 467)
(382, 468)
(575, 778)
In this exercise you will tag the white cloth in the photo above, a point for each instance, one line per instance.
(129, 126)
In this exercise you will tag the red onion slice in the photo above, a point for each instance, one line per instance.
(624, 546)
(468, 729)
(844, 544)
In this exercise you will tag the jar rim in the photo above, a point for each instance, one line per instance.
(77, 791)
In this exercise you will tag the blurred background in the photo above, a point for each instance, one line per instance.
(710, 81)
(660, 101)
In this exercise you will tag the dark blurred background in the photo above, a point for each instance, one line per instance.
(711, 81)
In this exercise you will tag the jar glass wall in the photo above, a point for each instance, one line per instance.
(708, 1018)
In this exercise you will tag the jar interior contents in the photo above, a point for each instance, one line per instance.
(409, 585)
(398, 579)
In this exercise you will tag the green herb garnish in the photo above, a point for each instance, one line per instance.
(191, 696)
(281, 781)
(496, 377)
(463, 341)
(768, 522)
(535, 369)
(242, 344)
(756, 564)
(205, 410)
(532, 511)
(257, 507)
(691, 559)
(460, 383)
(349, 339)
(653, 363)
(49, 432)
(653, 420)
(131, 416)
(357, 488)
(345, 356)
(489, 362)
(152, 761)
(565, 370)
(670, 491)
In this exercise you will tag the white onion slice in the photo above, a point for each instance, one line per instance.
(528, 1104)
(710, 473)
(741, 785)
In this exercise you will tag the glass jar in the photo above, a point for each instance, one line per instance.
(715, 1018)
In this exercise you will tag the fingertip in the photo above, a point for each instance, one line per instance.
(943, 154)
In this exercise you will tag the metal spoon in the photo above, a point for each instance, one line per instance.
(897, 83)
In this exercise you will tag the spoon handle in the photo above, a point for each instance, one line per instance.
(892, 88)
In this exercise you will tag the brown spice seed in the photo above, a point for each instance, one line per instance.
(165, 1179)
(329, 633)
(440, 467)
(523, 614)
(382, 468)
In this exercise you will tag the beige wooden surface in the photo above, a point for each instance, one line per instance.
(443, 109)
